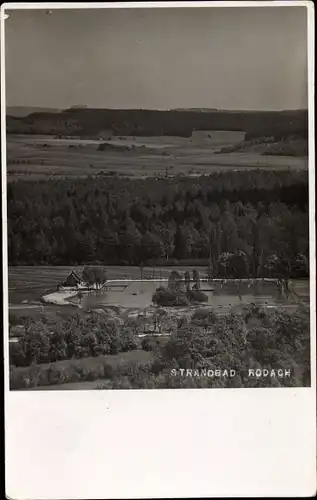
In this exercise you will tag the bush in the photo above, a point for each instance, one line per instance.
(202, 317)
(197, 296)
(149, 343)
(128, 340)
(14, 319)
(165, 297)
(174, 295)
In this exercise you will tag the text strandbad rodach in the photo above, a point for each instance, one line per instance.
(217, 373)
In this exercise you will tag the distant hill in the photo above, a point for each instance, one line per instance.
(144, 122)
(201, 110)
(27, 110)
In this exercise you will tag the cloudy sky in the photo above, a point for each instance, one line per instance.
(231, 58)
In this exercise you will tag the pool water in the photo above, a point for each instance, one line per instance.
(139, 294)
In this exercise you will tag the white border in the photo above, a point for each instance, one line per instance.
(156, 444)
(4, 200)
(151, 5)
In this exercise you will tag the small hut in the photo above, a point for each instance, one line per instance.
(72, 280)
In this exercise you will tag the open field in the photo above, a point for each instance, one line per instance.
(38, 157)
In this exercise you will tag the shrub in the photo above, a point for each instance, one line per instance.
(128, 340)
(166, 297)
(197, 296)
(202, 317)
(149, 343)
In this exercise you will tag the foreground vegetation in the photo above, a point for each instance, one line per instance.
(253, 338)
(69, 336)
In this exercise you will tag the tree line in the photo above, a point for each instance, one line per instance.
(240, 223)
(144, 122)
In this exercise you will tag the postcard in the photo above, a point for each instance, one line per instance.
(158, 184)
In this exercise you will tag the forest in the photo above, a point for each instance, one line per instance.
(241, 224)
(292, 145)
(253, 338)
(144, 122)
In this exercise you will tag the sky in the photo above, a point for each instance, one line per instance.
(227, 58)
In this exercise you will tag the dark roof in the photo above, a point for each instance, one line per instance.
(75, 275)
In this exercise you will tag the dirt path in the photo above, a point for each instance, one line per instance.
(59, 298)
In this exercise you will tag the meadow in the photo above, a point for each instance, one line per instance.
(32, 157)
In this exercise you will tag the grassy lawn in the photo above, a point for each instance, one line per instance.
(70, 386)
(136, 356)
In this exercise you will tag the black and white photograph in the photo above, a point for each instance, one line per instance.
(158, 227)
(157, 196)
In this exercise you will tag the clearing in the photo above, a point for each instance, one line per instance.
(31, 157)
